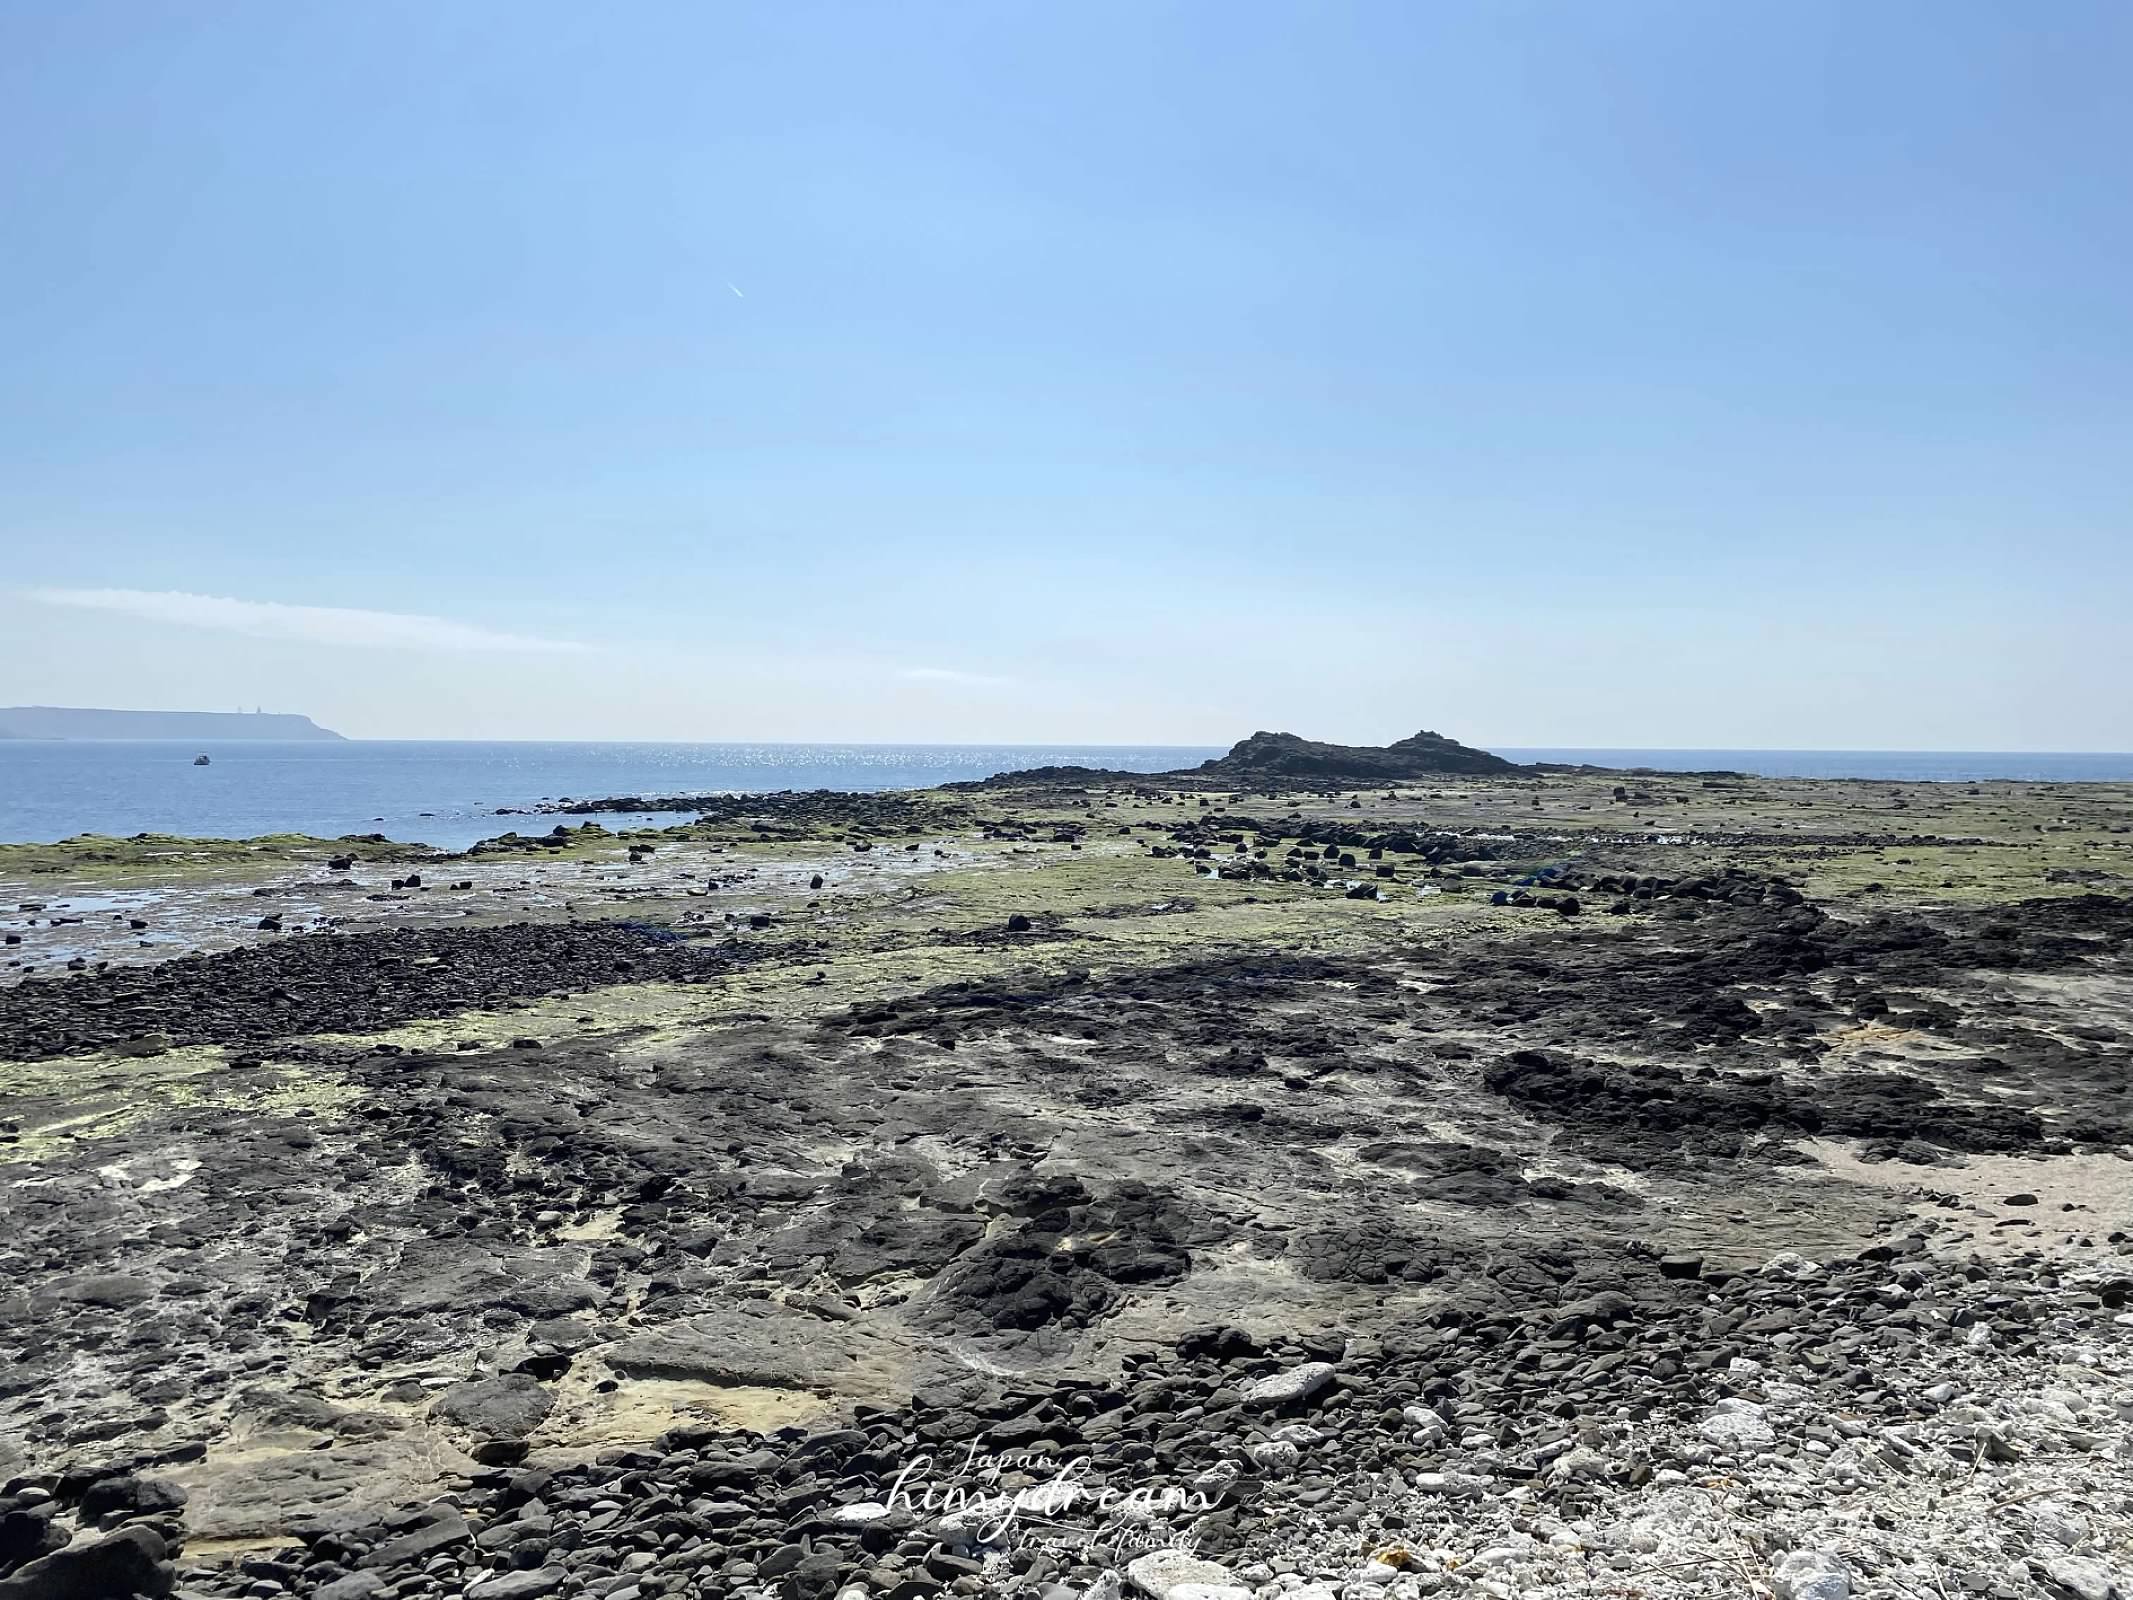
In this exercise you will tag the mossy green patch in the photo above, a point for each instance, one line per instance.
(61, 1104)
(149, 859)
(1963, 874)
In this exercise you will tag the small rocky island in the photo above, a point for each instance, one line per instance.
(1328, 1172)
(1285, 758)
(1285, 755)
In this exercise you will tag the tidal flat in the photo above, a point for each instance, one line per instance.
(1409, 1172)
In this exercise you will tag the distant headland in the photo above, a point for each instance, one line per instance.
(76, 722)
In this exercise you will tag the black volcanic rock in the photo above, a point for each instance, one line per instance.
(1289, 755)
(131, 1561)
(1034, 776)
(344, 982)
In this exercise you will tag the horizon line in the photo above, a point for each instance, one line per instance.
(1089, 744)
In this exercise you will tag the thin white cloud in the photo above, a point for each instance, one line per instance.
(983, 680)
(329, 625)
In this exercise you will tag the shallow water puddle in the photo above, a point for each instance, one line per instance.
(94, 925)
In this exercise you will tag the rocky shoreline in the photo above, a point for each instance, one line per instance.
(1500, 1184)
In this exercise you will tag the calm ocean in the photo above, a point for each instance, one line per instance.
(448, 793)
(1906, 766)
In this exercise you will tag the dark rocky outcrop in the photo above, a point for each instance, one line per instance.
(336, 983)
(1288, 755)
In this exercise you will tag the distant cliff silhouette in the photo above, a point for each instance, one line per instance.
(72, 722)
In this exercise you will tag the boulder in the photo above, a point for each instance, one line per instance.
(438, 1528)
(507, 1408)
(27, 1532)
(1298, 1383)
(518, 1585)
(126, 1495)
(127, 1563)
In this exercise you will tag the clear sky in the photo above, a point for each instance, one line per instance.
(1624, 373)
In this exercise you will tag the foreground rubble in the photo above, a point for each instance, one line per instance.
(1890, 1425)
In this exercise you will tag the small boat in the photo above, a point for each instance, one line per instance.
(200, 761)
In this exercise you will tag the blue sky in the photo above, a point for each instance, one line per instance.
(1614, 374)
